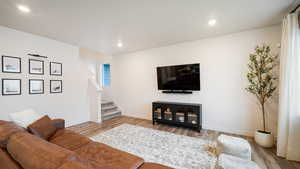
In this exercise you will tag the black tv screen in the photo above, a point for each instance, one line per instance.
(180, 77)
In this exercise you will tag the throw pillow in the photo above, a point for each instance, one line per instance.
(43, 128)
(25, 118)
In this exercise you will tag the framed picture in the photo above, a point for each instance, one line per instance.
(36, 67)
(36, 86)
(11, 87)
(55, 86)
(11, 64)
(55, 68)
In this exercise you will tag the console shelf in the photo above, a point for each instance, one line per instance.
(179, 114)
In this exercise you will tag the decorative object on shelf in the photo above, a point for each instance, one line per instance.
(55, 68)
(192, 118)
(55, 86)
(168, 114)
(36, 67)
(180, 117)
(36, 86)
(36, 55)
(158, 113)
(11, 87)
(11, 64)
(262, 79)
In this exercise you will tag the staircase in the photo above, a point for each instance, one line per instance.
(109, 110)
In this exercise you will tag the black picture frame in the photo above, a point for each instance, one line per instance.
(61, 84)
(11, 57)
(3, 86)
(36, 60)
(30, 86)
(51, 69)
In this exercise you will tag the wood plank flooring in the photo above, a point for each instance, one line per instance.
(265, 158)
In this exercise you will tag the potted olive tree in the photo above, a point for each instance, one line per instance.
(262, 79)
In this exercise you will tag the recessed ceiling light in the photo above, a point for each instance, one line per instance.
(120, 44)
(23, 8)
(212, 22)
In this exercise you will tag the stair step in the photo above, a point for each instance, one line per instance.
(106, 103)
(108, 107)
(109, 115)
(109, 110)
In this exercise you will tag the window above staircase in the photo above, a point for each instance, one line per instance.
(106, 75)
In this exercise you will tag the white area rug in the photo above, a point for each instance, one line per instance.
(177, 151)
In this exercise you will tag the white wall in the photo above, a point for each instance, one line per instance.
(226, 105)
(70, 105)
(107, 93)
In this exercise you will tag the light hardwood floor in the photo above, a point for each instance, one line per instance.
(265, 158)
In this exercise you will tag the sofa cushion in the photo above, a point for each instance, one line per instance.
(6, 162)
(43, 128)
(6, 130)
(82, 163)
(76, 165)
(153, 166)
(69, 139)
(25, 118)
(103, 154)
(32, 152)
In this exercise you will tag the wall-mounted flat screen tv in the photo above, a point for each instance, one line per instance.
(179, 77)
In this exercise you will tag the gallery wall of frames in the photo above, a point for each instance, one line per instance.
(35, 75)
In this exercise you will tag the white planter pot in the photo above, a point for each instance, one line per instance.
(264, 139)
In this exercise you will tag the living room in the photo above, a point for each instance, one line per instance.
(146, 84)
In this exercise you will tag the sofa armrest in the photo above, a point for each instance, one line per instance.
(59, 123)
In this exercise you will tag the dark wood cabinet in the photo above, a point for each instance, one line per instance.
(179, 114)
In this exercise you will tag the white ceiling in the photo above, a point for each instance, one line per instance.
(139, 24)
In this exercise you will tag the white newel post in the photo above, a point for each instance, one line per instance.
(94, 97)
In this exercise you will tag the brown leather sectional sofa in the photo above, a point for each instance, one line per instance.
(64, 150)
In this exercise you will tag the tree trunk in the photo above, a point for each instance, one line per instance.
(263, 112)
